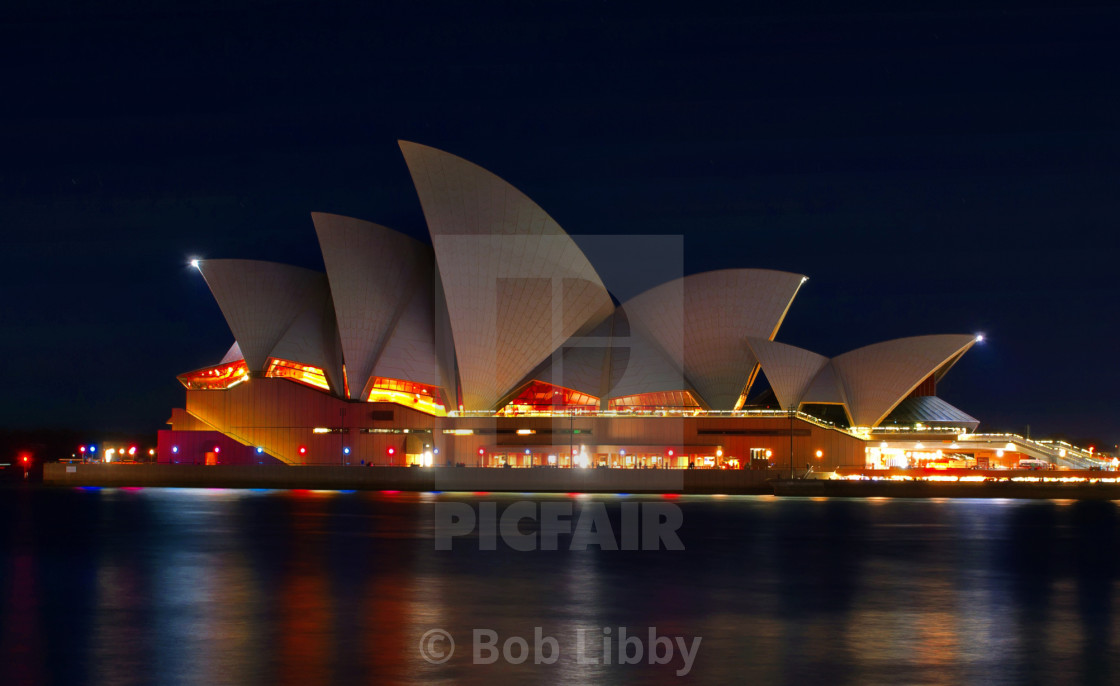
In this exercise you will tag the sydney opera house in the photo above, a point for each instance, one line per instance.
(499, 345)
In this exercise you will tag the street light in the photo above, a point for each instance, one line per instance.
(342, 435)
(792, 409)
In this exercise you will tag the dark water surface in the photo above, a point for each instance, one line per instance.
(180, 586)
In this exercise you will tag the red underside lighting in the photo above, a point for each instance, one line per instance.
(216, 378)
(539, 396)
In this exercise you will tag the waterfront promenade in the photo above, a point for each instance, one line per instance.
(917, 483)
(477, 479)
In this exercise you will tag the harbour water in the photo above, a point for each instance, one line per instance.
(213, 586)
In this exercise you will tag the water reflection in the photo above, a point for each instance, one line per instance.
(274, 587)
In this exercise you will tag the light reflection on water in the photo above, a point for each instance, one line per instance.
(208, 586)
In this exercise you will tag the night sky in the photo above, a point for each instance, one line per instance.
(943, 169)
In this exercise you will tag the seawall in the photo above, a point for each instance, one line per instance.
(929, 489)
(537, 480)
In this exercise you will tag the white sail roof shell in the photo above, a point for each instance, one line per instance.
(877, 377)
(260, 301)
(312, 339)
(382, 285)
(582, 364)
(826, 388)
(233, 354)
(516, 284)
(789, 369)
(704, 320)
(612, 361)
(410, 353)
(639, 365)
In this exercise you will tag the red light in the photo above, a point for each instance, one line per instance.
(391, 450)
(82, 448)
(670, 453)
(481, 451)
(217, 449)
(302, 450)
(25, 459)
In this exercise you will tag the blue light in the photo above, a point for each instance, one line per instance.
(93, 448)
(175, 449)
(346, 451)
(259, 450)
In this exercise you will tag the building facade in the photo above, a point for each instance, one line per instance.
(500, 345)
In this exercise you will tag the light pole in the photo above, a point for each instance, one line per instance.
(791, 411)
(571, 439)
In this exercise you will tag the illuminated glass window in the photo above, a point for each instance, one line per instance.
(300, 373)
(540, 397)
(663, 400)
(216, 378)
(418, 396)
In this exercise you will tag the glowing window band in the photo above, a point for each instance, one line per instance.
(664, 400)
(300, 373)
(418, 396)
(541, 397)
(216, 378)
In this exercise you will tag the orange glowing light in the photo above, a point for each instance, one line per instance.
(408, 393)
(216, 378)
(661, 400)
(539, 396)
(300, 373)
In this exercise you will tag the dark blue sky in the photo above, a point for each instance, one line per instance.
(939, 169)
